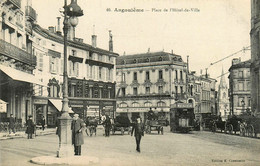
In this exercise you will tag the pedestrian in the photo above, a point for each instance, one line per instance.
(107, 124)
(77, 128)
(11, 125)
(58, 132)
(138, 129)
(30, 127)
(43, 122)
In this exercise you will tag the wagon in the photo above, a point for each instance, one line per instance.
(153, 125)
(91, 124)
(122, 124)
(250, 126)
(233, 124)
(218, 124)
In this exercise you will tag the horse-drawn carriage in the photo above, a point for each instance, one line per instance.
(122, 124)
(250, 126)
(153, 125)
(91, 125)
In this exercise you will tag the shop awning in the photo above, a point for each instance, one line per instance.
(20, 76)
(58, 104)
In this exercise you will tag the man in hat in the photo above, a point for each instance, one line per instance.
(30, 127)
(138, 129)
(11, 124)
(77, 128)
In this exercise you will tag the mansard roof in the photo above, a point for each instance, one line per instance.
(60, 39)
(245, 64)
(148, 58)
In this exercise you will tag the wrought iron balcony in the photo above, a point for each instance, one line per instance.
(16, 3)
(16, 53)
(30, 13)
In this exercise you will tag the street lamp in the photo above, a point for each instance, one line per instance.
(65, 149)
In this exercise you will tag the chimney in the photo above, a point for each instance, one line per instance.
(110, 41)
(236, 61)
(58, 28)
(51, 29)
(94, 40)
(172, 51)
(148, 50)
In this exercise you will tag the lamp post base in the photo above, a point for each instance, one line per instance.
(65, 150)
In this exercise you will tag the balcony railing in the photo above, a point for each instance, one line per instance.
(16, 53)
(16, 3)
(30, 13)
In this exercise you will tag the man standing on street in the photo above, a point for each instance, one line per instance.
(43, 123)
(138, 128)
(77, 128)
(11, 124)
(30, 127)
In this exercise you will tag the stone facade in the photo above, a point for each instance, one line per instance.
(239, 86)
(255, 55)
(150, 80)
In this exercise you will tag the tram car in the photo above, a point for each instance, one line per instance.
(182, 117)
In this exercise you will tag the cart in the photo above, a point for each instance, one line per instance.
(122, 124)
(153, 125)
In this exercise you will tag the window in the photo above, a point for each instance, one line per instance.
(135, 76)
(161, 104)
(53, 64)
(100, 72)
(73, 68)
(147, 75)
(135, 104)
(90, 71)
(181, 88)
(123, 77)
(160, 74)
(107, 74)
(123, 92)
(160, 89)
(148, 104)
(40, 61)
(123, 105)
(147, 90)
(240, 86)
(248, 86)
(135, 91)
(73, 91)
(240, 101)
(176, 74)
(176, 89)
(90, 56)
(181, 76)
(240, 74)
(99, 57)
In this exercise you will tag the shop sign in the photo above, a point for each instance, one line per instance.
(76, 102)
(93, 102)
(108, 103)
(40, 101)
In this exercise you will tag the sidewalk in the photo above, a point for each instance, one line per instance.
(22, 134)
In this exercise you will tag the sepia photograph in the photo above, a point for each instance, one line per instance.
(130, 82)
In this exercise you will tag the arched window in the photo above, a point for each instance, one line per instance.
(123, 105)
(161, 104)
(135, 104)
(148, 104)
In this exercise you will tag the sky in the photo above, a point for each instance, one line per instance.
(204, 30)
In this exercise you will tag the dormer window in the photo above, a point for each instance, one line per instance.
(160, 58)
(135, 61)
(147, 60)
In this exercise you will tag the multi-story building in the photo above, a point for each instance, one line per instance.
(194, 92)
(255, 55)
(150, 80)
(239, 86)
(17, 62)
(91, 72)
(223, 100)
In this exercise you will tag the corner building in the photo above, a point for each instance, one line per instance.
(149, 80)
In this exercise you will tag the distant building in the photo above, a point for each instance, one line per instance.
(239, 86)
(255, 55)
(222, 98)
(150, 80)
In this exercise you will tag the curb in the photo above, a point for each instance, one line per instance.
(73, 160)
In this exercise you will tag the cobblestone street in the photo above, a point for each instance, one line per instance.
(197, 148)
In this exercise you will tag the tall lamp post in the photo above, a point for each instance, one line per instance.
(71, 12)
